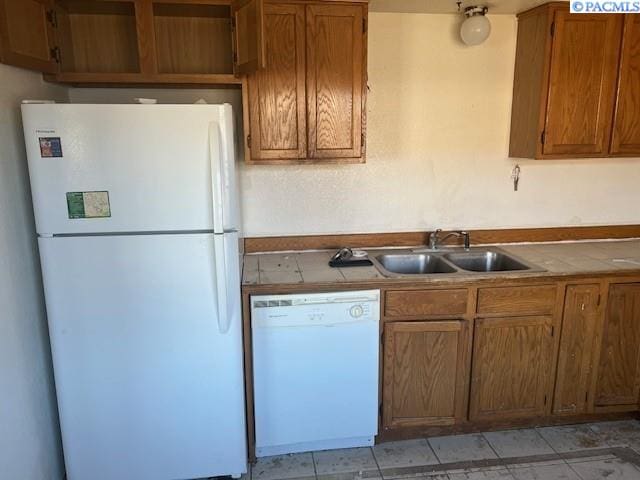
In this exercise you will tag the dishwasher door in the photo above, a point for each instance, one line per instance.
(315, 370)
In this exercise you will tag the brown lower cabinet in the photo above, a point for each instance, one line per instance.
(425, 373)
(518, 353)
(577, 345)
(618, 381)
(511, 367)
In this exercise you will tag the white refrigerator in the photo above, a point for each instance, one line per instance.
(136, 212)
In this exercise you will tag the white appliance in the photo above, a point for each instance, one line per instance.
(137, 218)
(315, 370)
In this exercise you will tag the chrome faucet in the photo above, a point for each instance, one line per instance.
(435, 240)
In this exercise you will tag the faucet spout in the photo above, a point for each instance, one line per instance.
(435, 240)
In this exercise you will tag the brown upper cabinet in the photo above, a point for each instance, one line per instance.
(27, 34)
(307, 104)
(569, 70)
(248, 21)
(133, 41)
(626, 122)
(277, 94)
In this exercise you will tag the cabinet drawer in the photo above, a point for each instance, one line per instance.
(539, 299)
(425, 302)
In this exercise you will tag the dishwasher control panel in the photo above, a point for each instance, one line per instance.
(315, 309)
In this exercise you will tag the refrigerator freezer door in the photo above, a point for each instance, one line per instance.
(148, 388)
(130, 168)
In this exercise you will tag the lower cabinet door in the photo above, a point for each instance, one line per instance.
(579, 323)
(425, 373)
(618, 384)
(511, 367)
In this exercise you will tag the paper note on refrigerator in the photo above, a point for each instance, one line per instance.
(88, 204)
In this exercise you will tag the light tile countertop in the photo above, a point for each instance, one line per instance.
(558, 259)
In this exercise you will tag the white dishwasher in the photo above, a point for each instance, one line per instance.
(315, 370)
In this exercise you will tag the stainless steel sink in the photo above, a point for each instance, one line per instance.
(452, 262)
(414, 264)
(486, 261)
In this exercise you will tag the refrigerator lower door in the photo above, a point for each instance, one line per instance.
(148, 387)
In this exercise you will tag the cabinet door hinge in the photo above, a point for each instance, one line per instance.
(233, 22)
(543, 137)
(586, 397)
(55, 54)
(364, 25)
(249, 140)
(553, 330)
(599, 299)
(380, 410)
(553, 28)
(362, 140)
(52, 18)
(545, 399)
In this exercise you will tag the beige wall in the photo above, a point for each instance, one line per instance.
(438, 132)
(29, 433)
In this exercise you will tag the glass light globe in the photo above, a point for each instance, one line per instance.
(475, 29)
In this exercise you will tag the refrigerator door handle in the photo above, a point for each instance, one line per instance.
(217, 180)
(224, 320)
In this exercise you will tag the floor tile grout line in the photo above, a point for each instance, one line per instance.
(560, 454)
(547, 442)
(576, 472)
(373, 454)
(490, 446)
(431, 449)
(434, 451)
(313, 460)
(557, 452)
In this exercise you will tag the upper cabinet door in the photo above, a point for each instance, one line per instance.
(626, 124)
(335, 77)
(26, 34)
(583, 73)
(248, 45)
(277, 104)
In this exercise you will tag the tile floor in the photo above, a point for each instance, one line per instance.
(607, 450)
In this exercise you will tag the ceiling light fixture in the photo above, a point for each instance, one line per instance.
(476, 28)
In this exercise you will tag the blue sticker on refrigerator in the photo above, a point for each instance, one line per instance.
(50, 147)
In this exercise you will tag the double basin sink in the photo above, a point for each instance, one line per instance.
(450, 262)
